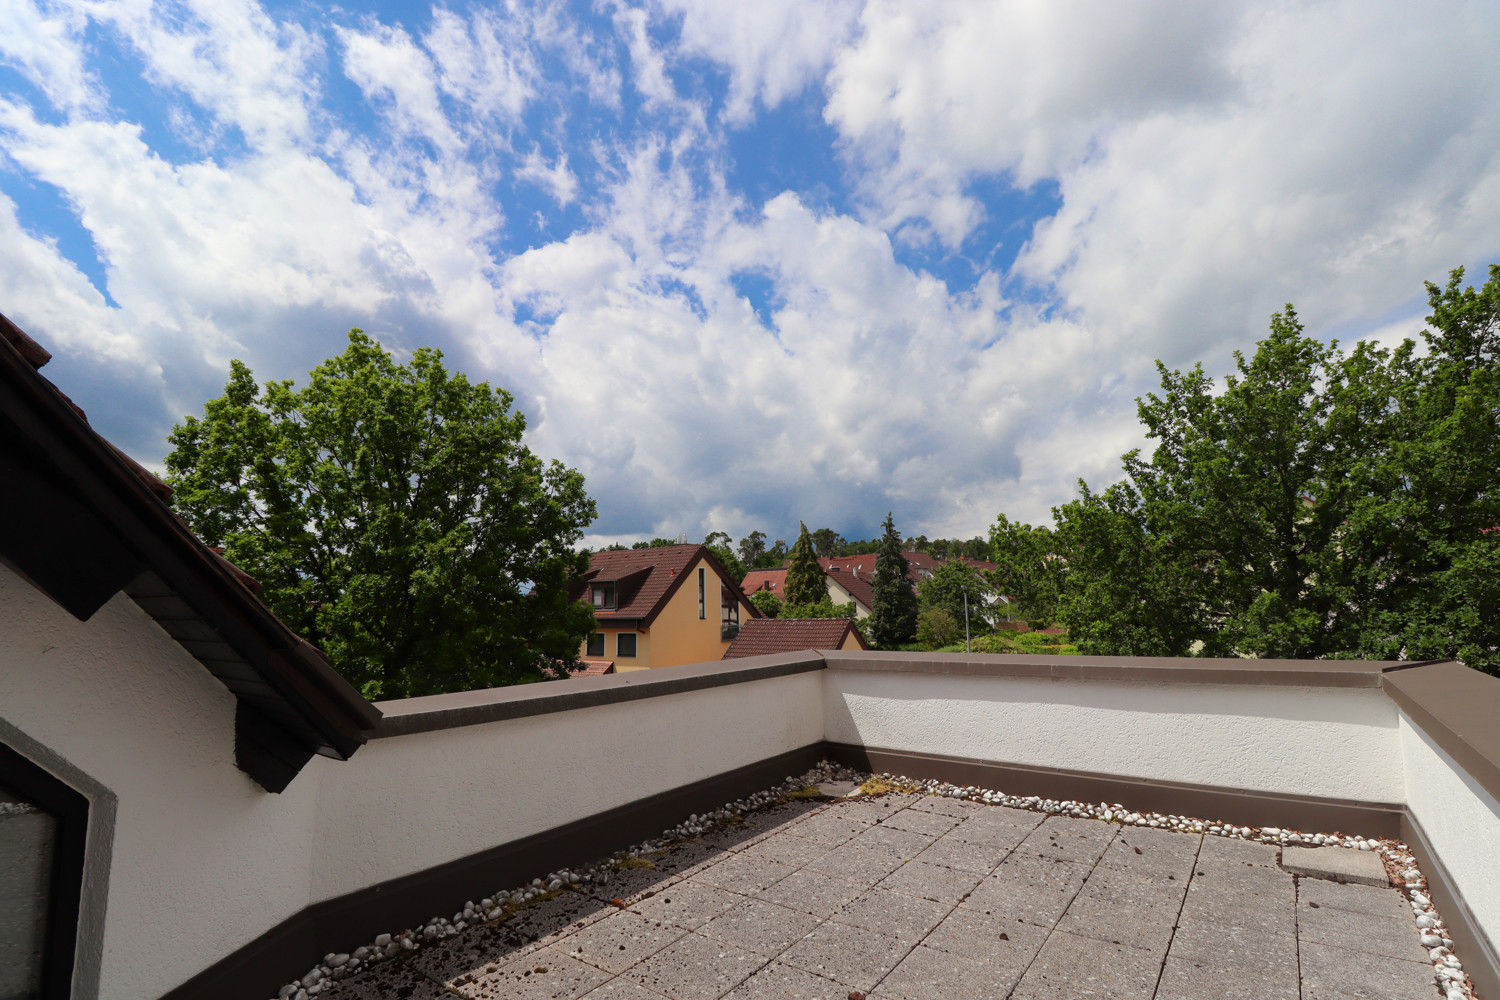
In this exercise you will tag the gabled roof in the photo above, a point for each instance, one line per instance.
(859, 586)
(790, 635)
(594, 668)
(83, 522)
(773, 580)
(646, 579)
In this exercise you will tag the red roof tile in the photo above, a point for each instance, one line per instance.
(595, 668)
(789, 635)
(773, 580)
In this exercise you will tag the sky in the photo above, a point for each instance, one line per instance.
(741, 264)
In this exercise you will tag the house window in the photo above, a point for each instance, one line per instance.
(43, 824)
(604, 595)
(596, 645)
(702, 592)
(625, 644)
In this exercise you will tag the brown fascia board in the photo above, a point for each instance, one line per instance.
(1162, 669)
(733, 585)
(1457, 707)
(109, 487)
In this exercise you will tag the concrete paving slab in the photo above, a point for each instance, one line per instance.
(895, 914)
(979, 858)
(857, 864)
(1039, 905)
(1068, 839)
(981, 829)
(872, 809)
(1129, 887)
(850, 955)
(905, 844)
(616, 943)
(1329, 972)
(836, 789)
(928, 974)
(941, 804)
(764, 928)
(1338, 864)
(548, 974)
(744, 875)
(1040, 871)
(985, 936)
(553, 918)
(629, 883)
(1229, 908)
(1239, 951)
(779, 981)
(943, 885)
(688, 904)
(1146, 927)
(1190, 979)
(695, 967)
(929, 823)
(1381, 902)
(685, 858)
(1270, 882)
(1231, 849)
(794, 851)
(1070, 962)
(620, 988)
(812, 892)
(1159, 852)
(1394, 937)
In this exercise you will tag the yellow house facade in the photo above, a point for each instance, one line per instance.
(660, 607)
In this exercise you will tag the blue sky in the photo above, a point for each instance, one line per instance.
(740, 264)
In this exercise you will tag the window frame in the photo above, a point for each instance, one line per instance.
(702, 593)
(65, 899)
(634, 645)
(605, 588)
(588, 648)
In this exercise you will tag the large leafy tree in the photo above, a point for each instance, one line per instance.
(893, 617)
(395, 519)
(952, 584)
(804, 577)
(1028, 570)
(718, 544)
(1321, 504)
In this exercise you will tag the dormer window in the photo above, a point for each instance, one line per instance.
(604, 596)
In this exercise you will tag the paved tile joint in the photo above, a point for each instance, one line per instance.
(921, 897)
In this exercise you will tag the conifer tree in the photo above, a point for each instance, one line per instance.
(804, 577)
(893, 619)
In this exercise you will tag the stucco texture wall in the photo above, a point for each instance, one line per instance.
(1335, 742)
(203, 859)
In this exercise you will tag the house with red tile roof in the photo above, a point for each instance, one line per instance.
(661, 607)
(791, 635)
(772, 580)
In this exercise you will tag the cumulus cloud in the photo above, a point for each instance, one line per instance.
(713, 359)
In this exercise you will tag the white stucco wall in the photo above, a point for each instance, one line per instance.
(203, 859)
(465, 790)
(1334, 742)
(1460, 819)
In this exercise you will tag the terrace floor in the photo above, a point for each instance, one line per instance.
(924, 897)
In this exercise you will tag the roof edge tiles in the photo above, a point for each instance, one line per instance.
(88, 522)
(675, 560)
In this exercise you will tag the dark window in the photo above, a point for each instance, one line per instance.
(625, 644)
(596, 644)
(702, 592)
(604, 595)
(43, 824)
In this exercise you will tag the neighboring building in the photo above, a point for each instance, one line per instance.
(793, 635)
(772, 580)
(848, 585)
(661, 607)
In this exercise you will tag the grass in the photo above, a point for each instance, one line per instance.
(879, 785)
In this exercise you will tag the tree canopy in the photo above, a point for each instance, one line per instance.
(394, 518)
(946, 590)
(893, 616)
(804, 577)
(1320, 504)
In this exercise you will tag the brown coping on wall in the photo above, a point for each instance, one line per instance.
(1157, 669)
(1209, 802)
(470, 708)
(289, 949)
(1459, 708)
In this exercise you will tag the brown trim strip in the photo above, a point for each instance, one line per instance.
(1456, 706)
(470, 708)
(1230, 805)
(1156, 669)
(289, 949)
(1474, 948)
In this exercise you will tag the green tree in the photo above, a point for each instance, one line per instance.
(394, 518)
(804, 577)
(937, 628)
(768, 603)
(893, 618)
(718, 544)
(946, 589)
(1321, 504)
(773, 557)
(818, 609)
(827, 541)
(753, 548)
(1030, 571)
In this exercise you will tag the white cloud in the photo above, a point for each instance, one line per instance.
(556, 179)
(38, 40)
